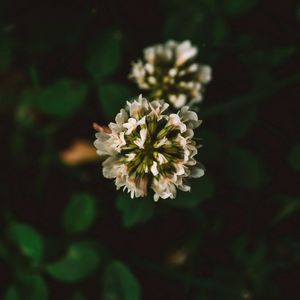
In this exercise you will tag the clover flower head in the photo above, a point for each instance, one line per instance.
(169, 71)
(150, 148)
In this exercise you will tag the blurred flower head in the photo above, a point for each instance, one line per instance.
(168, 72)
(150, 148)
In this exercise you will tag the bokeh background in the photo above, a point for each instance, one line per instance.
(67, 234)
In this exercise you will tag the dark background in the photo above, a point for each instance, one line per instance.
(236, 236)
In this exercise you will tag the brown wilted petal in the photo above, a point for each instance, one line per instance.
(177, 258)
(79, 152)
(99, 128)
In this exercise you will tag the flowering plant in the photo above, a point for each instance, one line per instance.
(150, 148)
(168, 72)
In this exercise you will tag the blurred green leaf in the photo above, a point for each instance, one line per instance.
(78, 296)
(79, 214)
(104, 55)
(80, 261)
(290, 205)
(294, 157)
(224, 284)
(135, 211)
(12, 293)
(113, 97)
(6, 53)
(33, 74)
(269, 58)
(48, 35)
(245, 170)
(257, 267)
(24, 115)
(239, 246)
(278, 56)
(238, 124)
(119, 283)
(253, 260)
(220, 31)
(61, 99)
(27, 239)
(185, 22)
(237, 7)
(201, 190)
(298, 11)
(33, 287)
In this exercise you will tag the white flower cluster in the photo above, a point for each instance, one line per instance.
(150, 148)
(168, 72)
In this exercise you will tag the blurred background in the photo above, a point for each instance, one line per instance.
(67, 234)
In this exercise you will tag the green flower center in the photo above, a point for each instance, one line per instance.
(153, 149)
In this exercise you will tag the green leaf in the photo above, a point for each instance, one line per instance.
(80, 261)
(79, 214)
(298, 11)
(78, 296)
(113, 97)
(135, 211)
(294, 157)
(61, 99)
(118, 283)
(201, 190)
(269, 58)
(28, 240)
(224, 284)
(24, 115)
(33, 287)
(12, 293)
(252, 259)
(245, 170)
(6, 53)
(219, 31)
(104, 55)
(290, 205)
(237, 7)
(239, 123)
(280, 55)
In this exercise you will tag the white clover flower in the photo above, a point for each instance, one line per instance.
(168, 72)
(149, 148)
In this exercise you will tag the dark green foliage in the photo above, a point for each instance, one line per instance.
(211, 146)
(104, 55)
(80, 213)
(33, 287)
(223, 285)
(294, 157)
(134, 211)
(253, 262)
(245, 170)
(61, 99)
(118, 283)
(266, 59)
(67, 234)
(112, 97)
(80, 261)
(289, 206)
(239, 123)
(237, 7)
(201, 190)
(6, 53)
(78, 296)
(27, 240)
